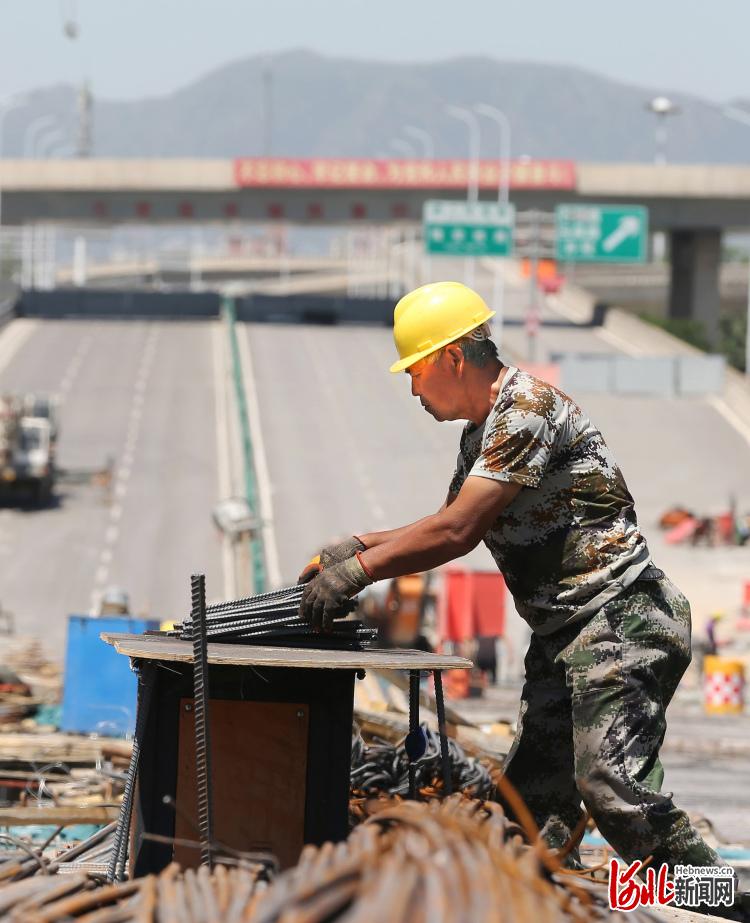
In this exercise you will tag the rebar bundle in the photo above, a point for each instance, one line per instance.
(226, 894)
(459, 859)
(273, 618)
(453, 860)
(384, 768)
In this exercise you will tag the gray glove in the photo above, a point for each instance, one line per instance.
(332, 554)
(325, 595)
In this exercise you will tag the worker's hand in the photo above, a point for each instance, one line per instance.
(325, 596)
(331, 554)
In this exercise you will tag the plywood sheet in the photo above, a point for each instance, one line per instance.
(155, 647)
(259, 766)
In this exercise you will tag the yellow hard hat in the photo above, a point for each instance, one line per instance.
(432, 316)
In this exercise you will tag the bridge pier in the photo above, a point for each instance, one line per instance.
(694, 284)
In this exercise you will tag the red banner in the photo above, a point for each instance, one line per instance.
(334, 173)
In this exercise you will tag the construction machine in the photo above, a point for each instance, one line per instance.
(28, 437)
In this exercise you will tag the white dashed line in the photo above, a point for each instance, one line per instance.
(125, 467)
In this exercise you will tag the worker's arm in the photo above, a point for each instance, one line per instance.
(341, 551)
(373, 539)
(450, 533)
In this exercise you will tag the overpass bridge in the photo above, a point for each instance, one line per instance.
(693, 204)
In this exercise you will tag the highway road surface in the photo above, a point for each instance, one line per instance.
(342, 447)
(142, 394)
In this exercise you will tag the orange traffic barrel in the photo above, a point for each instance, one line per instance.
(456, 684)
(723, 685)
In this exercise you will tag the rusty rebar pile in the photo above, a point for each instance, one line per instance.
(459, 859)
(380, 767)
(452, 860)
(225, 894)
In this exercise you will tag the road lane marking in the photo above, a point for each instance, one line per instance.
(13, 337)
(221, 386)
(721, 406)
(74, 366)
(259, 457)
(125, 467)
(357, 463)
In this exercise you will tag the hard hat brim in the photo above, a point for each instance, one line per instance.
(415, 357)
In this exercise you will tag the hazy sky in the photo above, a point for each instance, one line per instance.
(133, 48)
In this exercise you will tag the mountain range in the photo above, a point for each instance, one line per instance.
(326, 106)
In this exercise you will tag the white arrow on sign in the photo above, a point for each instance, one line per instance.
(629, 226)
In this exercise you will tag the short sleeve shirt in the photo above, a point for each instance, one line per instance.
(569, 541)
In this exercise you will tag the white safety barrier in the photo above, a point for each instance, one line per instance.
(659, 376)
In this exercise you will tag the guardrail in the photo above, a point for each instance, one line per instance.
(315, 309)
(257, 551)
(143, 304)
(118, 304)
(657, 376)
(8, 299)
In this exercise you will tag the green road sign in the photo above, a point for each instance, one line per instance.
(601, 233)
(457, 228)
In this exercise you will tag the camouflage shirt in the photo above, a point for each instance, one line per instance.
(570, 541)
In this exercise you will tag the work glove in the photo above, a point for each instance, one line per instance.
(331, 554)
(326, 595)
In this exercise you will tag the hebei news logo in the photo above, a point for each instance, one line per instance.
(634, 886)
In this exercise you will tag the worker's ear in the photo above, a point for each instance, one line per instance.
(454, 356)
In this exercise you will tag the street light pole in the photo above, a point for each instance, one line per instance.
(428, 151)
(405, 148)
(662, 107)
(49, 139)
(472, 188)
(408, 236)
(6, 108)
(503, 197)
(424, 138)
(472, 123)
(743, 117)
(41, 123)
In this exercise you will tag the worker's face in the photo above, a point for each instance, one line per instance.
(436, 384)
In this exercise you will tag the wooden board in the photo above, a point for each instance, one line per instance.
(155, 647)
(58, 816)
(258, 769)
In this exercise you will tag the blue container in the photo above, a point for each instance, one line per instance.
(100, 689)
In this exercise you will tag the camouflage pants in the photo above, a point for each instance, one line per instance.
(592, 721)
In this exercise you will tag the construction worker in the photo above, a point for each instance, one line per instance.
(610, 633)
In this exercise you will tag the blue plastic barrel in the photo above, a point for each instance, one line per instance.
(100, 691)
